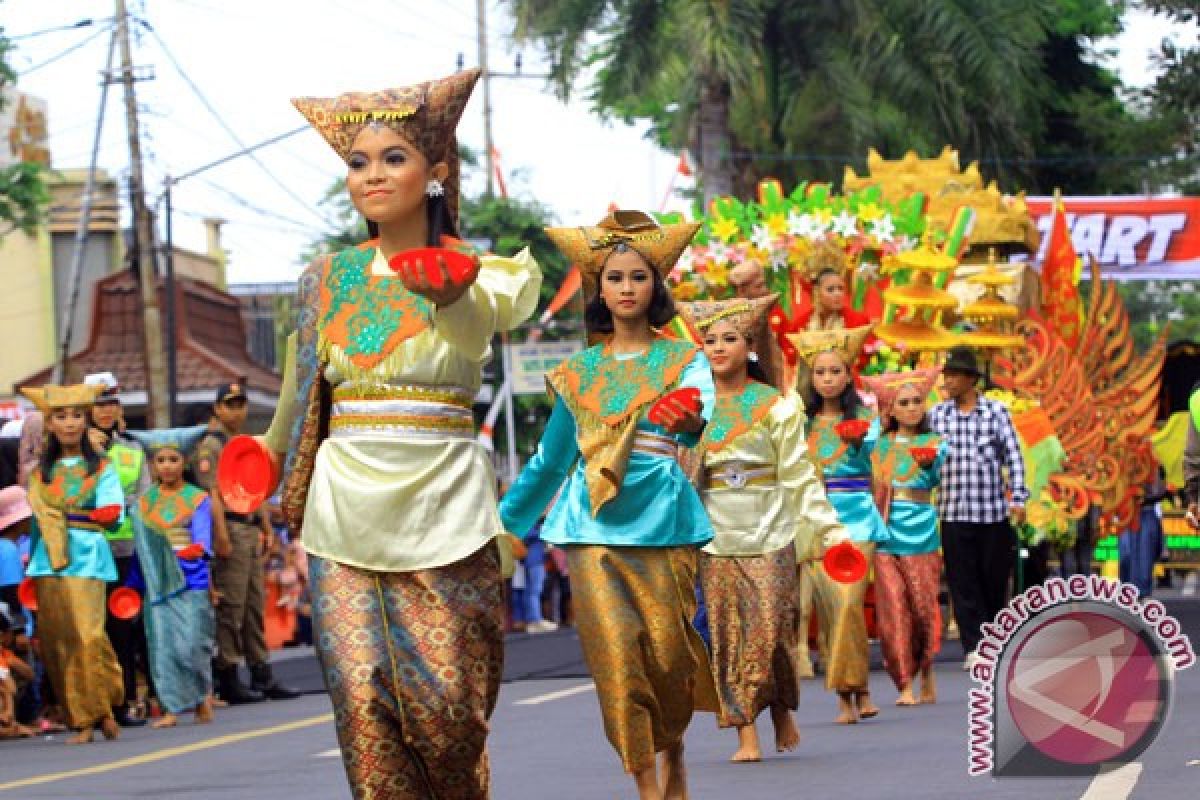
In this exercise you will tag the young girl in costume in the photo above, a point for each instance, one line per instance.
(393, 497)
(630, 521)
(76, 496)
(766, 503)
(845, 464)
(173, 534)
(907, 468)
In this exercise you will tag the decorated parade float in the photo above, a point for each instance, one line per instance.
(934, 257)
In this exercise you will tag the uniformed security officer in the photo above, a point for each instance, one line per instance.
(239, 544)
(128, 636)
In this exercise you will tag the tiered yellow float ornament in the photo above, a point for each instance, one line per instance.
(914, 308)
(991, 317)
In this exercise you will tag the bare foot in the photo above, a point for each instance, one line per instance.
(83, 737)
(674, 773)
(928, 686)
(217, 702)
(647, 783)
(167, 720)
(748, 750)
(787, 735)
(906, 697)
(204, 713)
(847, 713)
(110, 729)
(866, 709)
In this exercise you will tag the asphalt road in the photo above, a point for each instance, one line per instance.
(548, 744)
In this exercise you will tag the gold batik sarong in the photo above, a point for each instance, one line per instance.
(633, 609)
(79, 660)
(753, 624)
(843, 626)
(412, 661)
(910, 620)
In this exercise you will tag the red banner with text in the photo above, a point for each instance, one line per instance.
(1133, 238)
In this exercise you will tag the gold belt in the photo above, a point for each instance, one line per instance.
(402, 411)
(654, 445)
(736, 475)
(913, 495)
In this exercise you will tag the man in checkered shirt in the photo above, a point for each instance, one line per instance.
(978, 540)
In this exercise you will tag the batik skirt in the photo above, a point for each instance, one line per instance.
(180, 632)
(910, 622)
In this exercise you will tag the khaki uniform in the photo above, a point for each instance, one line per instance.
(238, 578)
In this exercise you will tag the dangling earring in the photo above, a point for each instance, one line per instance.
(752, 357)
(434, 188)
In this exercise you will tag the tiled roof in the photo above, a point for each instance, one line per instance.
(210, 338)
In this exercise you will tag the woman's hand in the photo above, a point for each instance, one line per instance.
(434, 281)
(678, 418)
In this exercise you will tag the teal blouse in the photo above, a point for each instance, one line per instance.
(912, 527)
(89, 552)
(841, 463)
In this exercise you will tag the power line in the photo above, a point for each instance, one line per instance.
(69, 50)
(225, 126)
(83, 23)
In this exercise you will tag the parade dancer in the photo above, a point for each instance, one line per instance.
(907, 464)
(385, 481)
(76, 496)
(173, 533)
(843, 455)
(630, 521)
(766, 502)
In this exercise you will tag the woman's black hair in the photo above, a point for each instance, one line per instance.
(755, 371)
(54, 451)
(598, 318)
(849, 400)
(825, 272)
(923, 426)
(437, 215)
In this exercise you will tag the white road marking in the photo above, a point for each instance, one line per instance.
(1115, 784)
(334, 753)
(538, 699)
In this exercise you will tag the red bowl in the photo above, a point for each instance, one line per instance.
(246, 474)
(460, 265)
(688, 396)
(27, 594)
(924, 455)
(845, 563)
(124, 603)
(852, 429)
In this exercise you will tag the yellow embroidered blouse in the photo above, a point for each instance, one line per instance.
(398, 498)
(787, 504)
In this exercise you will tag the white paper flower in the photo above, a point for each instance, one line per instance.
(883, 229)
(798, 223)
(686, 262)
(762, 237)
(845, 224)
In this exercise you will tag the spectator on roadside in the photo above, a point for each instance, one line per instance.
(16, 520)
(978, 539)
(15, 675)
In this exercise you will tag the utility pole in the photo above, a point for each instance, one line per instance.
(488, 148)
(156, 373)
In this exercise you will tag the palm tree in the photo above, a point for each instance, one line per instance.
(790, 89)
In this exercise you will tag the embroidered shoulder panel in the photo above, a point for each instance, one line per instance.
(162, 510)
(72, 487)
(824, 444)
(892, 462)
(364, 315)
(734, 415)
(613, 389)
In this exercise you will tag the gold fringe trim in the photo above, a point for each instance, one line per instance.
(379, 115)
(368, 379)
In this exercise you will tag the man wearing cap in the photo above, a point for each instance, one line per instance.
(978, 539)
(107, 435)
(238, 569)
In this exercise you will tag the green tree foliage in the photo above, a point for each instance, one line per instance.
(805, 88)
(23, 193)
(1174, 98)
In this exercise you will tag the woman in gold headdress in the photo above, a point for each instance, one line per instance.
(766, 502)
(844, 458)
(907, 464)
(76, 496)
(395, 499)
(630, 521)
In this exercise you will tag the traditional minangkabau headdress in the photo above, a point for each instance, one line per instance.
(182, 440)
(887, 386)
(426, 114)
(846, 342)
(749, 316)
(49, 397)
(589, 246)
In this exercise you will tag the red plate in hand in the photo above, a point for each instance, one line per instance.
(845, 563)
(193, 552)
(460, 265)
(124, 603)
(105, 515)
(851, 430)
(246, 474)
(687, 396)
(924, 455)
(27, 594)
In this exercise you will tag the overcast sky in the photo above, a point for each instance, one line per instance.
(247, 58)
